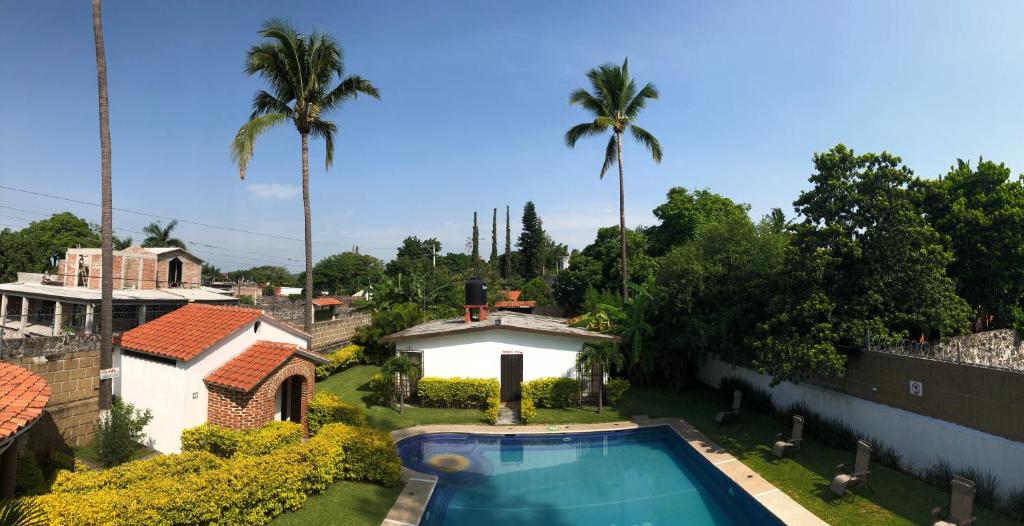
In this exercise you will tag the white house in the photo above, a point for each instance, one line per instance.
(510, 346)
(230, 366)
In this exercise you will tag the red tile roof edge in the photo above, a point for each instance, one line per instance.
(212, 377)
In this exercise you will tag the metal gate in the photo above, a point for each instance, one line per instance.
(411, 385)
(511, 377)
(590, 382)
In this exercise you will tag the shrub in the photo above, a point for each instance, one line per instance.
(269, 438)
(552, 392)
(384, 389)
(466, 393)
(119, 434)
(326, 408)
(493, 406)
(220, 441)
(340, 360)
(938, 474)
(615, 389)
(29, 479)
(754, 398)
(986, 485)
(1013, 504)
(239, 491)
(527, 404)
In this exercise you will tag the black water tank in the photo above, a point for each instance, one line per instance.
(476, 292)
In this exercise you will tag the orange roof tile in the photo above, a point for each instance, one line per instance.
(327, 302)
(184, 333)
(245, 371)
(515, 304)
(512, 295)
(23, 395)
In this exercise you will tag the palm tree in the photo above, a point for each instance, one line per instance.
(404, 367)
(602, 355)
(615, 104)
(21, 512)
(106, 215)
(299, 70)
(160, 236)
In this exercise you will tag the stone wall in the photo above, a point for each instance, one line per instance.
(977, 397)
(341, 330)
(283, 309)
(70, 365)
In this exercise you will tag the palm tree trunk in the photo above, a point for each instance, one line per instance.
(106, 219)
(622, 219)
(307, 314)
(401, 394)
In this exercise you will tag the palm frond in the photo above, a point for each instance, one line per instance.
(611, 153)
(264, 103)
(349, 89)
(588, 101)
(22, 512)
(586, 129)
(267, 60)
(325, 130)
(639, 101)
(649, 141)
(291, 47)
(245, 140)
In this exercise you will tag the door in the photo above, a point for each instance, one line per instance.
(412, 382)
(511, 377)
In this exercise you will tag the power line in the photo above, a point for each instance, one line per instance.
(157, 216)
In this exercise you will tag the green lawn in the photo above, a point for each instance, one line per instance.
(900, 499)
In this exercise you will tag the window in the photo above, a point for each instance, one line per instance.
(174, 273)
(83, 272)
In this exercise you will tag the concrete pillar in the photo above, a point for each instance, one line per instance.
(90, 316)
(58, 318)
(24, 316)
(142, 314)
(3, 312)
(9, 467)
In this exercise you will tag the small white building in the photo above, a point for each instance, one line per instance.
(230, 366)
(511, 347)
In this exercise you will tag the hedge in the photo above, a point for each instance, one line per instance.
(197, 487)
(341, 359)
(465, 393)
(326, 408)
(615, 389)
(527, 408)
(493, 406)
(384, 389)
(226, 443)
(553, 393)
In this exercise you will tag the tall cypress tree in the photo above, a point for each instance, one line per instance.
(530, 243)
(476, 243)
(494, 237)
(508, 245)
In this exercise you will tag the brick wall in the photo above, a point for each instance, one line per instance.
(986, 399)
(327, 333)
(70, 365)
(231, 408)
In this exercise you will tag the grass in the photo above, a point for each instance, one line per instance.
(900, 499)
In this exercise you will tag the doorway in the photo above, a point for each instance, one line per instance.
(511, 377)
(289, 399)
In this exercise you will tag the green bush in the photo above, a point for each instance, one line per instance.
(986, 485)
(226, 443)
(466, 393)
(384, 389)
(556, 393)
(340, 360)
(754, 398)
(527, 405)
(29, 479)
(493, 406)
(119, 435)
(199, 488)
(326, 408)
(615, 389)
(1013, 504)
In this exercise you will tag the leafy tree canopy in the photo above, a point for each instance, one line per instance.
(266, 275)
(30, 249)
(684, 212)
(345, 273)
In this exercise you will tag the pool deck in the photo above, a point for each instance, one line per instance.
(410, 505)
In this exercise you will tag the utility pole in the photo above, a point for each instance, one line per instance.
(433, 254)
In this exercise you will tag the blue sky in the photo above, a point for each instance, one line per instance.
(475, 104)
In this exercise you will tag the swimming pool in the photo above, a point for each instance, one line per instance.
(637, 477)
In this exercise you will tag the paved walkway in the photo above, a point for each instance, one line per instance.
(509, 414)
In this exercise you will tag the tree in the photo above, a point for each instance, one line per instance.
(300, 71)
(402, 366)
(615, 104)
(979, 213)
(603, 356)
(683, 213)
(476, 243)
(599, 266)
(345, 273)
(210, 273)
(537, 290)
(30, 249)
(531, 243)
(494, 238)
(160, 236)
(106, 215)
(270, 275)
(507, 263)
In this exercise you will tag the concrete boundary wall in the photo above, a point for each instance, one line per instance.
(919, 439)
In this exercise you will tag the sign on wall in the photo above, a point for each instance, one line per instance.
(107, 374)
(916, 388)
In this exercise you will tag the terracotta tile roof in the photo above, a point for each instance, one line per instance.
(515, 304)
(327, 302)
(512, 295)
(184, 333)
(22, 398)
(245, 371)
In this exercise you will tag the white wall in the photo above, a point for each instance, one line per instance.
(478, 354)
(919, 439)
(177, 394)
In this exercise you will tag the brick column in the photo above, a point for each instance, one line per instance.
(24, 316)
(90, 317)
(58, 318)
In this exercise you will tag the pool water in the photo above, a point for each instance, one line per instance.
(637, 477)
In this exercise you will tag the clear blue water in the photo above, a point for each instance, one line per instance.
(640, 477)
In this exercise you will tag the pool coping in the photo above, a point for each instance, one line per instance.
(412, 503)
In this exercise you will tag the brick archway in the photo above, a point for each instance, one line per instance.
(247, 410)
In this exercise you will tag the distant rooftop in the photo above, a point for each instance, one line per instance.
(502, 320)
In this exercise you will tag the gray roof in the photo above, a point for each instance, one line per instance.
(501, 320)
(88, 295)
